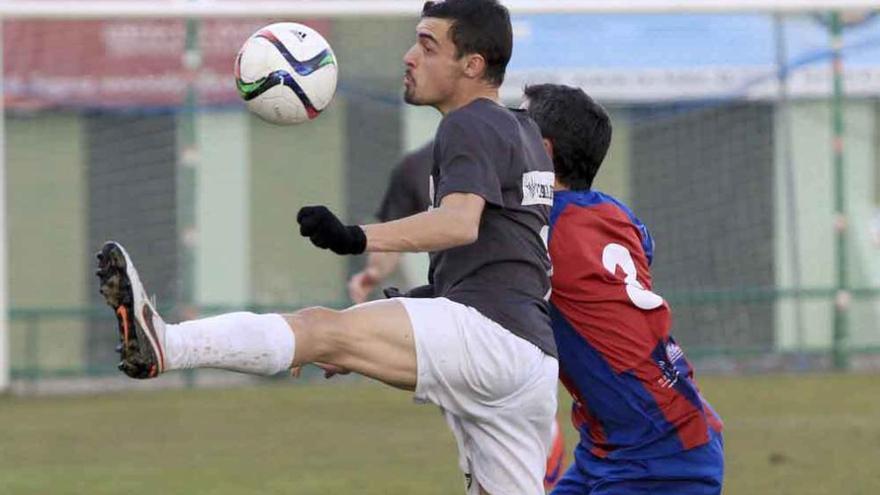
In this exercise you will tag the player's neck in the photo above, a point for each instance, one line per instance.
(463, 98)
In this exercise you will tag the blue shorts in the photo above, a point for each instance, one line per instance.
(698, 471)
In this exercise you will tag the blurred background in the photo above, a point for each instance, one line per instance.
(746, 137)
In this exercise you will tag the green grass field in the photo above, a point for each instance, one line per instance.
(784, 435)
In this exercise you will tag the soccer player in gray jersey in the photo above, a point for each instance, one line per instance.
(482, 349)
(407, 194)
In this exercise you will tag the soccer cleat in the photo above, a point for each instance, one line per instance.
(141, 329)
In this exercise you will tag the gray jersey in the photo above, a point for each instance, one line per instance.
(497, 153)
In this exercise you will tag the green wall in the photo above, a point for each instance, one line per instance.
(813, 207)
(47, 215)
(224, 193)
(292, 167)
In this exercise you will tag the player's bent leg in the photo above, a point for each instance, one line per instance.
(510, 442)
(497, 391)
(374, 339)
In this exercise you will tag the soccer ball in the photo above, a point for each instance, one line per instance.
(286, 72)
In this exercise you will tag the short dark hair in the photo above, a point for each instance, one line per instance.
(578, 127)
(478, 26)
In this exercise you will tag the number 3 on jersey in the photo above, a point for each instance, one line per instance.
(615, 255)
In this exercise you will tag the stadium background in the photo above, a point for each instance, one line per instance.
(725, 146)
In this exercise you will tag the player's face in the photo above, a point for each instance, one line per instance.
(432, 68)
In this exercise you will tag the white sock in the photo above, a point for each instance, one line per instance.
(245, 342)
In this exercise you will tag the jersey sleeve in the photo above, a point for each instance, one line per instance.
(463, 162)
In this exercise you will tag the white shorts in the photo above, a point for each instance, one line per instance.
(497, 392)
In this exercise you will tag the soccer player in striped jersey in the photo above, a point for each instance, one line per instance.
(644, 427)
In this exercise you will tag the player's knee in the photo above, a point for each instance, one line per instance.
(323, 331)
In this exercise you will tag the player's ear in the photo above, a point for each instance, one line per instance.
(548, 147)
(475, 66)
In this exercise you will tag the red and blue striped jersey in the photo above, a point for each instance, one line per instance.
(634, 392)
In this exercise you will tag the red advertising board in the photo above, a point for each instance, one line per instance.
(120, 63)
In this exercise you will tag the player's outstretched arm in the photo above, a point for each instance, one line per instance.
(455, 222)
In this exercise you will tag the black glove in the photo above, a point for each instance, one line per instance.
(322, 227)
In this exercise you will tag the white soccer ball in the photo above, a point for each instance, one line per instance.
(286, 72)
